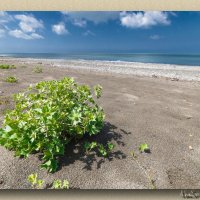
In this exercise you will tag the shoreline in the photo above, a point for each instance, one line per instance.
(180, 72)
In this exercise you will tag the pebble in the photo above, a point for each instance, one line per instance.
(190, 147)
(1, 180)
(188, 116)
(174, 79)
(154, 76)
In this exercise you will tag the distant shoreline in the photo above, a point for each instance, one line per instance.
(93, 60)
(153, 58)
(181, 72)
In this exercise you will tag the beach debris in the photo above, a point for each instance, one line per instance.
(188, 116)
(1, 92)
(154, 76)
(190, 135)
(174, 79)
(191, 148)
(144, 148)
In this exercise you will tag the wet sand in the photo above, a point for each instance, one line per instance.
(160, 110)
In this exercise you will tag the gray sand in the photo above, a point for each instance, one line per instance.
(139, 109)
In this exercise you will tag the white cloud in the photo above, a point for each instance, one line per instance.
(88, 32)
(28, 23)
(20, 34)
(60, 29)
(2, 33)
(27, 29)
(144, 19)
(80, 22)
(95, 17)
(155, 37)
(36, 36)
(5, 17)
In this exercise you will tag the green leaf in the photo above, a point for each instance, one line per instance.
(102, 150)
(93, 145)
(13, 136)
(144, 148)
(8, 129)
(86, 145)
(65, 184)
(46, 165)
(32, 178)
(110, 146)
(40, 183)
(57, 184)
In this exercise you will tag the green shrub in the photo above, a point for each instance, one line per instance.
(11, 79)
(48, 116)
(38, 69)
(5, 66)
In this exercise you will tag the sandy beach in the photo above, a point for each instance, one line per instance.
(156, 104)
(182, 72)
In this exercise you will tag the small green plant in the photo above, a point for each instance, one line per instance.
(144, 148)
(100, 148)
(98, 91)
(38, 69)
(59, 184)
(5, 66)
(89, 146)
(110, 146)
(35, 182)
(48, 116)
(38, 183)
(11, 79)
(12, 67)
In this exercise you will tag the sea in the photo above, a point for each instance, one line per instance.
(176, 59)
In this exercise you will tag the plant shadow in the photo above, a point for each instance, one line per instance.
(75, 150)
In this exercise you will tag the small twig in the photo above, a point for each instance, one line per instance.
(151, 182)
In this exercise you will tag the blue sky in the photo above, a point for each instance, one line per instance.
(62, 32)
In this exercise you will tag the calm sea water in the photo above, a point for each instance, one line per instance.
(178, 59)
